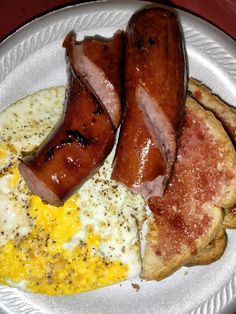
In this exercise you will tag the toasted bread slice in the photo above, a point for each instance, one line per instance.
(230, 217)
(212, 252)
(189, 216)
(156, 268)
(223, 111)
(227, 115)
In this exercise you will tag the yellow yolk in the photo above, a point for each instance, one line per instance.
(60, 222)
(90, 242)
(7, 154)
(2, 151)
(15, 177)
(46, 266)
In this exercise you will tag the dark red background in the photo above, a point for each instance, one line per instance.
(15, 13)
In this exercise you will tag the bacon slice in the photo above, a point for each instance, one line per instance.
(189, 215)
(155, 81)
(98, 62)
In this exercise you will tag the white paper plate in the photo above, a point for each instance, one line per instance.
(32, 59)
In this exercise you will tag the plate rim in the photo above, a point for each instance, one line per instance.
(207, 305)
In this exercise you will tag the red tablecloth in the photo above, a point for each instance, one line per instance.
(15, 13)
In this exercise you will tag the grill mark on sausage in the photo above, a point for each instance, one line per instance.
(73, 135)
(151, 41)
(98, 111)
(76, 135)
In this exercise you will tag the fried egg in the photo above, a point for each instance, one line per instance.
(90, 242)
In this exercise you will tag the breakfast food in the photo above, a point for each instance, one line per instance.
(89, 242)
(227, 115)
(212, 252)
(74, 151)
(84, 137)
(224, 112)
(190, 214)
(98, 63)
(155, 86)
(90, 238)
(88, 232)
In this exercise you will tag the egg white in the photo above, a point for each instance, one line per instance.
(23, 126)
(106, 208)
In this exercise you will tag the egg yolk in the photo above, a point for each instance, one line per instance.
(41, 261)
(14, 178)
(5, 150)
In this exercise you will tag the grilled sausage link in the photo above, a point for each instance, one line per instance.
(155, 84)
(98, 62)
(86, 134)
(74, 151)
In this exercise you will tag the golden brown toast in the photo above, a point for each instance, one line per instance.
(223, 111)
(212, 252)
(227, 115)
(158, 263)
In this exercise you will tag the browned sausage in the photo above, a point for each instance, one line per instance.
(92, 112)
(76, 149)
(155, 75)
(98, 63)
